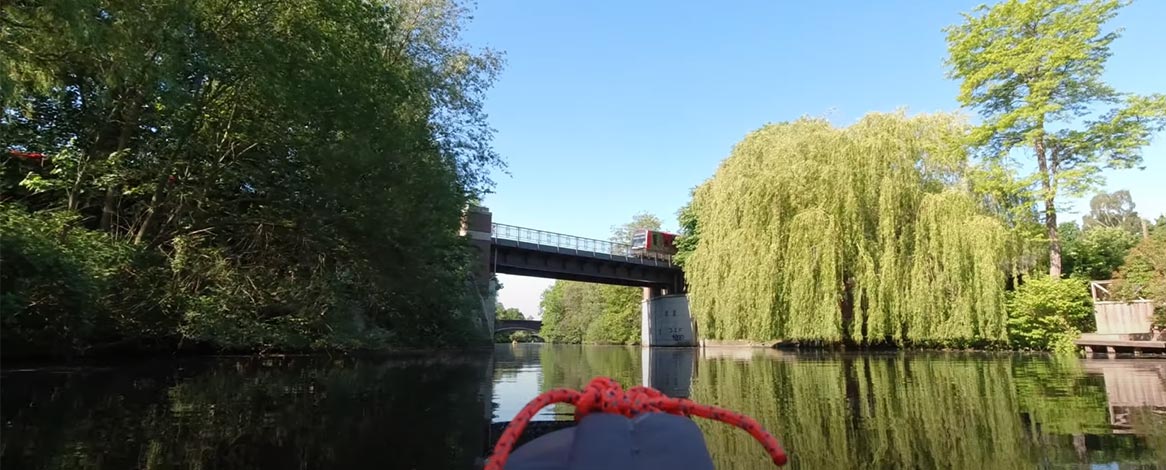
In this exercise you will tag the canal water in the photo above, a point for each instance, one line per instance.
(433, 411)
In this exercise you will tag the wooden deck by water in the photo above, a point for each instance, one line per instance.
(1122, 326)
(1119, 343)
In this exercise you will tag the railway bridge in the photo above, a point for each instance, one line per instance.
(508, 249)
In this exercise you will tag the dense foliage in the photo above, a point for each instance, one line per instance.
(55, 282)
(1143, 276)
(282, 177)
(1116, 210)
(1049, 314)
(1095, 253)
(814, 233)
(689, 236)
(576, 312)
(1034, 71)
(501, 312)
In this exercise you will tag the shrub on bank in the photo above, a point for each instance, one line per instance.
(1143, 275)
(67, 290)
(1048, 314)
(54, 280)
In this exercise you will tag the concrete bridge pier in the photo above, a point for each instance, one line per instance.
(664, 319)
(477, 226)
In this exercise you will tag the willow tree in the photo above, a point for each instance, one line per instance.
(810, 232)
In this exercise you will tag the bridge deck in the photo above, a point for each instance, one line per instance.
(528, 252)
(583, 253)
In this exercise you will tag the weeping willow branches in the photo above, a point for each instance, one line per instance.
(865, 234)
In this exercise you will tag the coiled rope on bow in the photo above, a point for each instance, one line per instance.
(605, 395)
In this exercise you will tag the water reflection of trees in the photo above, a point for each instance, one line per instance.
(933, 411)
(249, 413)
(573, 365)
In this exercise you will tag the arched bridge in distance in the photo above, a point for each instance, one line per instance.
(502, 326)
(520, 251)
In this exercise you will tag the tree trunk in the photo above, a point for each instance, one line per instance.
(1046, 181)
(128, 124)
(107, 207)
(152, 209)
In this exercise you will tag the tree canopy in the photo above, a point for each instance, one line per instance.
(286, 174)
(815, 233)
(501, 312)
(1114, 209)
(640, 222)
(1033, 69)
(1143, 274)
(1097, 252)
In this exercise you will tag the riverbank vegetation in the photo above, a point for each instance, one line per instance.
(239, 178)
(578, 312)
(915, 230)
(814, 233)
(1143, 273)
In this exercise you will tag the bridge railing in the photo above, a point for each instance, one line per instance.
(559, 241)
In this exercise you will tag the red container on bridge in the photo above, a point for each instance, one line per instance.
(654, 242)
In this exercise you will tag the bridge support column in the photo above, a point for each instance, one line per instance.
(665, 321)
(477, 225)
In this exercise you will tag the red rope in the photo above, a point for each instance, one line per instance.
(606, 396)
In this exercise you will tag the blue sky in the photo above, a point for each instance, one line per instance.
(605, 109)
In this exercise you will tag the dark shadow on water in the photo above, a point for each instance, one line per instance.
(248, 413)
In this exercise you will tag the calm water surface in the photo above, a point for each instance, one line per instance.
(845, 411)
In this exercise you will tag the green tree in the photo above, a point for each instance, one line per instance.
(265, 209)
(1070, 234)
(568, 308)
(1049, 314)
(1033, 69)
(820, 234)
(689, 237)
(1143, 275)
(640, 222)
(1008, 197)
(1096, 253)
(1114, 209)
(503, 313)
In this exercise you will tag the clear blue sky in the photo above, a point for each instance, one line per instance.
(606, 109)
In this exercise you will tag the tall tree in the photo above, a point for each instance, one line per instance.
(1114, 210)
(815, 233)
(1033, 69)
